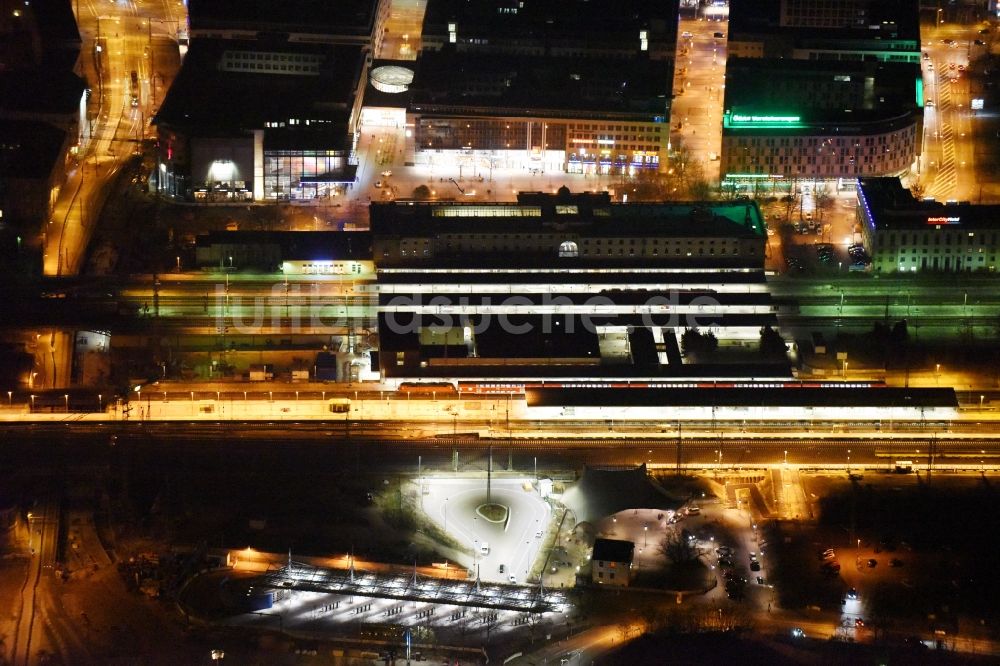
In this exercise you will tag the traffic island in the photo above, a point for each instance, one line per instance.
(493, 512)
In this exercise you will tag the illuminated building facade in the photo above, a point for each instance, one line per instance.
(551, 114)
(903, 234)
(542, 86)
(819, 120)
(261, 121)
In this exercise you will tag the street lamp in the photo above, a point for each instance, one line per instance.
(786, 457)
(981, 402)
(66, 399)
(32, 402)
(100, 402)
(10, 398)
(848, 462)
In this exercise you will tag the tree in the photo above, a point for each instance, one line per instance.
(695, 342)
(771, 343)
(917, 189)
(700, 190)
(421, 192)
(823, 199)
(678, 548)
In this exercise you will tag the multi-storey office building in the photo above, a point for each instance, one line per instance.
(884, 30)
(819, 120)
(555, 28)
(551, 113)
(907, 235)
(354, 22)
(566, 286)
(261, 120)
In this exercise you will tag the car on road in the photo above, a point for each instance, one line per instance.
(503, 568)
(859, 623)
(798, 633)
(872, 563)
(718, 35)
(484, 548)
(895, 562)
(379, 184)
(927, 56)
(686, 35)
(929, 103)
(538, 535)
(755, 566)
(386, 174)
(693, 510)
(760, 580)
(852, 593)
(948, 42)
(979, 42)
(512, 580)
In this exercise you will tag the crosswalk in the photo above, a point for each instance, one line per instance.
(946, 178)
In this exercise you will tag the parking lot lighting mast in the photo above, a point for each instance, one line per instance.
(489, 476)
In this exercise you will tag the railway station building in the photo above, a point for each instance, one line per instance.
(568, 286)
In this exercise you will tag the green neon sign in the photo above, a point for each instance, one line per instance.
(754, 119)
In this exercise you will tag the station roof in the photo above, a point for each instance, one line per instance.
(298, 245)
(349, 18)
(553, 276)
(450, 81)
(891, 206)
(415, 588)
(572, 215)
(597, 298)
(745, 395)
(207, 100)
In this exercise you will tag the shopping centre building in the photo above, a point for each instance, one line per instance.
(557, 86)
(844, 97)
(819, 120)
(261, 120)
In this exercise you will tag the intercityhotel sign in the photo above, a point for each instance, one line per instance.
(944, 220)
